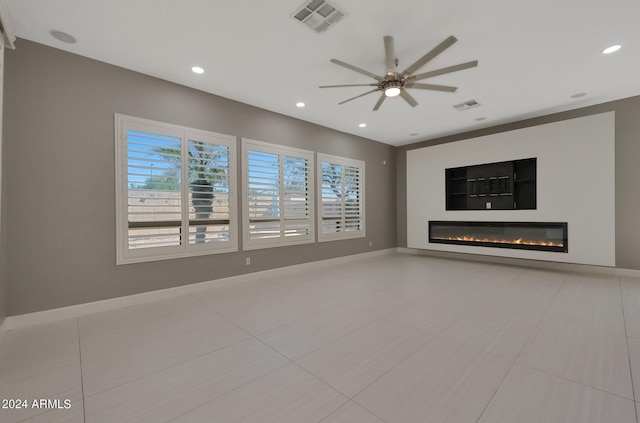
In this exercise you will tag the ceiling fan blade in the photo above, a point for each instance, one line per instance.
(432, 87)
(348, 85)
(404, 94)
(389, 54)
(358, 96)
(356, 69)
(429, 56)
(380, 101)
(442, 71)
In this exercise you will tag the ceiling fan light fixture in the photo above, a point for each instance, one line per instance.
(392, 90)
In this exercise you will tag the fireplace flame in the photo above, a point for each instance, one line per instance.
(500, 241)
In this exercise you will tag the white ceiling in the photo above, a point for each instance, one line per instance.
(533, 55)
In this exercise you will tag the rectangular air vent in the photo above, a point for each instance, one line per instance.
(466, 105)
(318, 15)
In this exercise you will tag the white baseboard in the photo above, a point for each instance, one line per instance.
(63, 313)
(402, 250)
(551, 265)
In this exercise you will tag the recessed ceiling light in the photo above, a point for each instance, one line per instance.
(197, 69)
(413, 134)
(480, 119)
(300, 104)
(62, 36)
(612, 49)
(578, 95)
(362, 125)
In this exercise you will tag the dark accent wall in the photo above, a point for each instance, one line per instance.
(59, 167)
(627, 173)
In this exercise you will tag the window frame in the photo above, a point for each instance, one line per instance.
(281, 150)
(341, 161)
(126, 255)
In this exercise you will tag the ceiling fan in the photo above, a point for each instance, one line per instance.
(395, 83)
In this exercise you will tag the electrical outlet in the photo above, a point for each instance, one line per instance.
(370, 243)
(248, 261)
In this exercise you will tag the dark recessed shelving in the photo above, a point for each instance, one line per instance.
(497, 186)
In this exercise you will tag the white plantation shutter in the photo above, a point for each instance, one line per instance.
(353, 194)
(342, 198)
(278, 195)
(263, 200)
(209, 181)
(153, 202)
(296, 197)
(174, 191)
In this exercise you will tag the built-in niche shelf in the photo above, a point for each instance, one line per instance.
(492, 186)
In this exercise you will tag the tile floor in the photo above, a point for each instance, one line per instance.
(398, 338)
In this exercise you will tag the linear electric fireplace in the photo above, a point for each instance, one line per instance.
(541, 236)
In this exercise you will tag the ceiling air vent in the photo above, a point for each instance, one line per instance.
(466, 105)
(318, 15)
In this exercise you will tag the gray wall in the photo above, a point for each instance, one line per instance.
(3, 241)
(59, 150)
(3, 252)
(627, 177)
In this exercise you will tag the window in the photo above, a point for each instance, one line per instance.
(277, 195)
(175, 191)
(342, 197)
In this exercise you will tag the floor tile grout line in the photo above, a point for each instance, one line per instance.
(177, 332)
(433, 337)
(84, 410)
(244, 384)
(317, 378)
(483, 267)
(250, 335)
(277, 327)
(170, 367)
(235, 343)
(360, 405)
(574, 381)
(513, 363)
(375, 316)
(624, 319)
(524, 346)
(38, 347)
(540, 320)
(289, 361)
(474, 307)
(310, 316)
(387, 372)
(151, 303)
(229, 392)
(562, 377)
